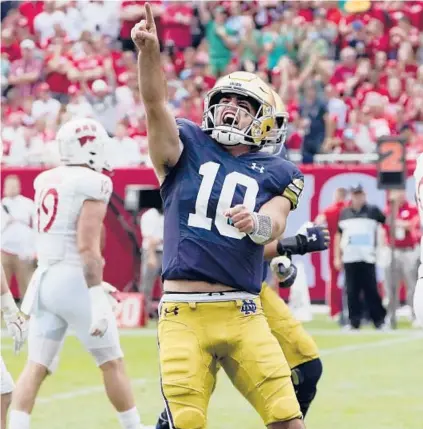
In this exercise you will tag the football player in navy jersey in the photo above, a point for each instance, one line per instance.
(223, 201)
(298, 346)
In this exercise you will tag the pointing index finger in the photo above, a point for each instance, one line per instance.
(149, 15)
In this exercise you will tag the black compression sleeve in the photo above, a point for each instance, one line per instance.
(294, 245)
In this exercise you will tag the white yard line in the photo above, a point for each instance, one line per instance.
(141, 381)
(368, 346)
(85, 391)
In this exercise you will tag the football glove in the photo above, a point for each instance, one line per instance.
(17, 326)
(315, 239)
(16, 322)
(284, 270)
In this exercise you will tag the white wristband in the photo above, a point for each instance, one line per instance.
(262, 231)
(8, 304)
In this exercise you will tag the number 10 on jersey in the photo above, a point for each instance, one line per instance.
(199, 219)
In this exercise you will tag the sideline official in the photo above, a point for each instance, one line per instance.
(355, 249)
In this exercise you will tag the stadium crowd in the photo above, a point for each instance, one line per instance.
(349, 72)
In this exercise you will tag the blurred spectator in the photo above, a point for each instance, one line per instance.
(88, 65)
(9, 45)
(250, 44)
(45, 107)
(56, 66)
(190, 109)
(12, 135)
(25, 72)
(346, 68)
(314, 113)
(124, 66)
(47, 20)
(78, 105)
(17, 235)
(123, 150)
(103, 101)
(132, 12)
(330, 218)
(29, 10)
(128, 98)
(101, 17)
(378, 39)
(276, 44)
(176, 24)
(403, 243)
(220, 38)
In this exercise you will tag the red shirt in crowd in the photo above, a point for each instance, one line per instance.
(333, 14)
(414, 11)
(125, 30)
(341, 74)
(13, 51)
(173, 29)
(30, 9)
(407, 212)
(57, 81)
(89, 62)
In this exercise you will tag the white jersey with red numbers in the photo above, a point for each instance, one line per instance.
(57, 296)
(418, 295)
(59, 196)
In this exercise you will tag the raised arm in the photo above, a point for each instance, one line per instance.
(163, 137)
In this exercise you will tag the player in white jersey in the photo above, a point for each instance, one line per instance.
(67, 289)
(418, 294)
(16, 324)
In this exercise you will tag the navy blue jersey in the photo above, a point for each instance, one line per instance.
(199, 243)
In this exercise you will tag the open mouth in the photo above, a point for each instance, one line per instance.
(229, 118)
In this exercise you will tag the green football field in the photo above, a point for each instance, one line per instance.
(372, 380)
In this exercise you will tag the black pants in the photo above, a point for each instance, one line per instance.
(360, 281)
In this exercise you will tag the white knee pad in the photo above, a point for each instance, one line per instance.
(106, 354)
(45, 352)
(418, 301)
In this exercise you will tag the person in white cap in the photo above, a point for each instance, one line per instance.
(103, 101)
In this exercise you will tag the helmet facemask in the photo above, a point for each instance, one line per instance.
(227, 129)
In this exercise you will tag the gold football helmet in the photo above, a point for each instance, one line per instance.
(277, 136)
(224, 127)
